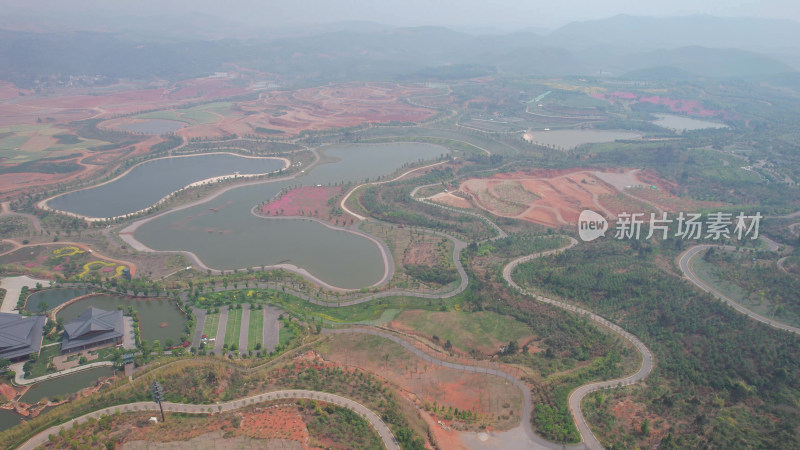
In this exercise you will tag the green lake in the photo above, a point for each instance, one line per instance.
(225, 235)
(151, 181)
(66, 385)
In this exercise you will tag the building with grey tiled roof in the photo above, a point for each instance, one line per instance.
(20, 335)
(94, 328)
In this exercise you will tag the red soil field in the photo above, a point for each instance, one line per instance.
(309, 201)
(69, 105)
(424, 382)
(280, 421)
(690, 107)
(320, 108)
(561, 197)
(563, 194)
(447, 198)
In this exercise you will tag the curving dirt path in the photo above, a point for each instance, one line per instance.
(500, 233)
(576, 396)
(536, 442)
(343, 202)
(685, 263)
(380, 426)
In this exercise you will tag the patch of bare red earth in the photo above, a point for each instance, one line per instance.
(445, 439)
(327, 107)
(563, 194)
(280, 421)
(308, 201)
(128, 99)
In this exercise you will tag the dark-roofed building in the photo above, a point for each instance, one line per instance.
(94, 328)
(20, 336)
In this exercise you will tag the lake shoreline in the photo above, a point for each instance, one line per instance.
(43, 204)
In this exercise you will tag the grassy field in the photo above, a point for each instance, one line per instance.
(166, 114)
(211, 325)
(483, 331)
(402, 240)
(255, 335)
(234, 326)
(196, 115)
(15, 145)
(285, 334)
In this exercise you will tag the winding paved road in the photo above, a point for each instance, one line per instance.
(575, 398)
(343, 202)
(537, 442)
(685, 263)
(500, 233)
(380, 426)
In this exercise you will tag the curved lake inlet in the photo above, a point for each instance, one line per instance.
(158, 318)
(147, 183)
(152, 126)
(52, 298)
(225, 235)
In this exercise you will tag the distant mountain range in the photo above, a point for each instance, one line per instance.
(641, 47)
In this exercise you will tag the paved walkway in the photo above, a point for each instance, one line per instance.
(342, 203)
(128, 336)
(200, 321)
(244, 329)
(380, 426)
(13, 287)
(20, 380)
(271, 328)
(223, 324)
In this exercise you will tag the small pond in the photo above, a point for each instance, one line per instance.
(681, 123)
(158, 318)
(53, 297)
(66, 385)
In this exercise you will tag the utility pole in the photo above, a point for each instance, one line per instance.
(158, 396)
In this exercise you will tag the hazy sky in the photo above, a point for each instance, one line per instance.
(506, 14)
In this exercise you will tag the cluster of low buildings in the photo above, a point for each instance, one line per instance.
(21, 336)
